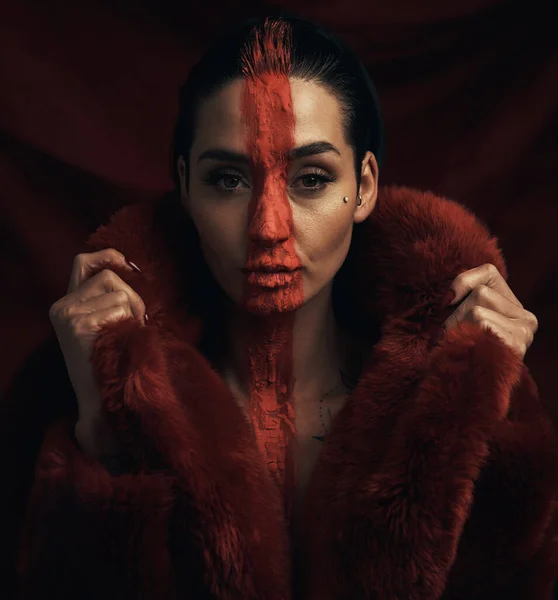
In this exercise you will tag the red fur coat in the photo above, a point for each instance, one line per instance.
(439, 478)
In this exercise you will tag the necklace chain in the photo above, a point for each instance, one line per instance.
(321, 438)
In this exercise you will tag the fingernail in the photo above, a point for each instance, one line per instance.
(453, 296)
(134, 266)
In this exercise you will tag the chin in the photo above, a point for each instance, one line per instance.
(266, 303)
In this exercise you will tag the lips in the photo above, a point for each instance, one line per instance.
(271, 278)
(269, 269)
(270, 266)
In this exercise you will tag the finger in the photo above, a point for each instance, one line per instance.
(102, 302)
(93, 321)
(511, 332)
(487, 275)
(108, 281)
(486, 297)
(103, 283)
(87, 264)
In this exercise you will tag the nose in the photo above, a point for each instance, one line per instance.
(270, 222)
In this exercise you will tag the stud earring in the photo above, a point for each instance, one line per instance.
(346, 199)
(359, 200)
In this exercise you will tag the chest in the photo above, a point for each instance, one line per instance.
(313, 418)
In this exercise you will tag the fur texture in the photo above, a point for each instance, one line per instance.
(439, 479)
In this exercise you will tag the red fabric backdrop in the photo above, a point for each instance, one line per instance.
(88, 101)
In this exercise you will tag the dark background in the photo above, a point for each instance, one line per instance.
(88, 100)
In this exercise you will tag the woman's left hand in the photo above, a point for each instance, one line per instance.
(489, 301)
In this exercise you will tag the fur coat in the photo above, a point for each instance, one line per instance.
(438, 479)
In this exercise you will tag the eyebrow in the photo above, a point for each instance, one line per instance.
(311, 149)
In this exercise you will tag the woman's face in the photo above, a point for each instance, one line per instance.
(308, 227)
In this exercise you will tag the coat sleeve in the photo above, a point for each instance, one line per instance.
(457, 499)
(69, 528)
(509, 544)
(476, 461)
(89, 534)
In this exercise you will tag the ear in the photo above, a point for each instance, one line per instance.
(183, 185)
(368, 188)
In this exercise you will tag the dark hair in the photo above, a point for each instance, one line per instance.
(316, 55)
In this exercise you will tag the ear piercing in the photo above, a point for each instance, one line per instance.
(346, 199)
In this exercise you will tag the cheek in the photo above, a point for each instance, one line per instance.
(324, 236)
(221, 235)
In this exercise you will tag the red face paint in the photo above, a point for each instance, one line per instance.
(268, 113)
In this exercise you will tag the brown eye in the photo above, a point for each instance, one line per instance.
(230, 181)
(225, 182)
(311, 180)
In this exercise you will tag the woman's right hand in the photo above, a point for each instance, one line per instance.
(91, 302)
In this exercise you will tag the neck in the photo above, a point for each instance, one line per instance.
(302, 350)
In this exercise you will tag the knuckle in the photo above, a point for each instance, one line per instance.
(114, 253)
(491, 268)
(527, 334)
(122, 297)
(107, 275)
(459, 279)
(477, 313)
(482, 292)
(121, 311)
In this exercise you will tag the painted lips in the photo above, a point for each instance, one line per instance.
(271, 279)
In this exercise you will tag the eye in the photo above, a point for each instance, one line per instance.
(311, 181)
(314, 181)
(226, 182)
(229, 182)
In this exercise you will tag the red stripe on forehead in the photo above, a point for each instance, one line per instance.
(267, 106)
(268, 51)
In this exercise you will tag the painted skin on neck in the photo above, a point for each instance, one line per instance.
(268, 113)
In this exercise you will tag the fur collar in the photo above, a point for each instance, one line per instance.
(394, 482)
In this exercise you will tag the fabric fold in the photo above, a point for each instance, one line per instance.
(463, 464)
(90, 534)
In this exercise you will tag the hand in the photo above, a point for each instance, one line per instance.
(488, 301)
(91, 302)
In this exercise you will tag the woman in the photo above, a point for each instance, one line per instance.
(301, 387)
